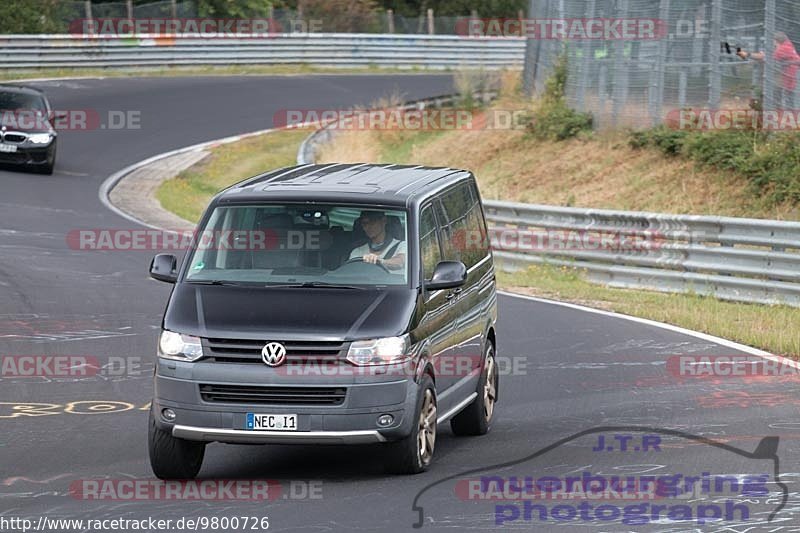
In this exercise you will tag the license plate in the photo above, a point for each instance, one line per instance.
(8, 148)
(264, 422)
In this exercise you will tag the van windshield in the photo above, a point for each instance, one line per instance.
(301, 245)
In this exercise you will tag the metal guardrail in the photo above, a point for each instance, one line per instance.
(750, 260)
(325, 50)
(740, 259)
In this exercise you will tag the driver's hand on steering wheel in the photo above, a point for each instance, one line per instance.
(372, 259)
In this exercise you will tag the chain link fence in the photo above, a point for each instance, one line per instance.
(692, 62)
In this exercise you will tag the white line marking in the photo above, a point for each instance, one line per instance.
(711, 338)
(112, 180)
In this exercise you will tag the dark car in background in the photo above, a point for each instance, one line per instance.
(27, 134)
(354, 304)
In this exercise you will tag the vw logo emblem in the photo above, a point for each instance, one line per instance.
(273, 354)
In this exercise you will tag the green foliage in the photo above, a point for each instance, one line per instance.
(232, 8)
(347, 16)
(728, 149)
(556, 85)
(774, 168)
(559, 122)
(35, 16)
(450, 8)
(554, 119)
(769, 161)
(669, 141)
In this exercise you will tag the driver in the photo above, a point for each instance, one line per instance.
(380, 249)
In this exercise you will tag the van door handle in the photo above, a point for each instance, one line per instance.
(452, 294)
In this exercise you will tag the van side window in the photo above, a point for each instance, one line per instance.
(478, 235)
(463, 232)
(430, 252)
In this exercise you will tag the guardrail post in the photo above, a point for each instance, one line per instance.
(532, 53)
(602, 76)
(431, 29)
(657, 86)
(758, 79)
(87, 9)
(796, 94)
(129, 8)
(769, 49)
(620, 89)
(173, 9)
(715, 73)
(682, 89)
(390, 20)
(586, 51)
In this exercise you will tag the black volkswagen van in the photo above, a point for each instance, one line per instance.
(322, 304)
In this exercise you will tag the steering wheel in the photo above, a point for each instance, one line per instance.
(361, 260)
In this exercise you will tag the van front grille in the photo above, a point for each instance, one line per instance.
(249, 351)
(255, 394)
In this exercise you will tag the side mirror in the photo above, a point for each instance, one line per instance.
(447, 275)
(164, 268)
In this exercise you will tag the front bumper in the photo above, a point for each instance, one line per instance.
(276, 437)
(353, 421)
(28, 155)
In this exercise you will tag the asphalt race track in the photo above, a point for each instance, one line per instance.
(568, 370)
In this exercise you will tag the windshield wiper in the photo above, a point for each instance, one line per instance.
(313, 285)
(215, 282)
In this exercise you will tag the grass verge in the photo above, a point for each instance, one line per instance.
(761, 326)
(187, 194)
(587, 169)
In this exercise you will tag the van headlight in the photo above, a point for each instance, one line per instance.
(40, 138)
(179, 347)
(386, 351)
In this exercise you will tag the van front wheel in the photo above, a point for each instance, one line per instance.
(172, 458)
(414, 453)
(476, 418)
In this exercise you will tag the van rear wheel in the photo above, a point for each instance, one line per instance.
(172, 458)
(414, 453)
(476, 418)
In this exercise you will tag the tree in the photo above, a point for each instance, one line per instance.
(347, 16)
(35, 16)
(233, 8)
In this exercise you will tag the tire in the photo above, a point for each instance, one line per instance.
(406, 456)
(172, 458)
(48, 167)
(476, 418)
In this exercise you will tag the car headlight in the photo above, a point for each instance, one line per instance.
(40, 138)
(179, 347)
(386, 351)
